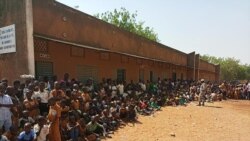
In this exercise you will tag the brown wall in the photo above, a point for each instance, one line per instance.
(208, 71)
(64, 23)
(217, 73)
(57, 21)
(64, 61)
(12, 65)
(207, 66)
(87, 30)
(197, 65)
(208, 76)
(191, 66)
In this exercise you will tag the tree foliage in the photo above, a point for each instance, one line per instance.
(231, 69)
(124, 19)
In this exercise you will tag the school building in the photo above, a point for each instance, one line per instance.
(52, 39)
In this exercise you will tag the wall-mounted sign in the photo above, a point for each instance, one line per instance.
(43, 55)
(7, 39)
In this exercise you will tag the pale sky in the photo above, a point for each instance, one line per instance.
(219, 28)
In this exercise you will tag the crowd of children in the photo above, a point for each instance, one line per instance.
(43, 110)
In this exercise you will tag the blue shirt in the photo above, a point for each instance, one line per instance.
(26, 137)
(5, 113)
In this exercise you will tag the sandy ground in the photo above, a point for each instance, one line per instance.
(219, 121)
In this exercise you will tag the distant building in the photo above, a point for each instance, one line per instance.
(52, 38)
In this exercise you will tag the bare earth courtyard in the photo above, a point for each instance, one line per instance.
(219, 121)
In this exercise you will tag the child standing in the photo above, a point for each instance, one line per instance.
(54, 116)
(41, 129)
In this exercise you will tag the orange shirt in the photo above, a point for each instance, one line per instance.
(75, 104)
(31, 104)
(86, 97)
(57, 93)
(54, 116)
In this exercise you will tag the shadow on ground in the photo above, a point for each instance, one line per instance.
(212, 106)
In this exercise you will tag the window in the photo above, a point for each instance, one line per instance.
(139, 61)
(151, 76)
(121, 74)
(85, 72)
(44, 69)
(141, 74)
(165, 75)
(124, 59)
(77, 52)
(41, 45)
(104, 56)
(174, 76)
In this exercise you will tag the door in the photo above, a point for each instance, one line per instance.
(141, 74)
(121, 75)
(43, 69)
(85, 72)
(151, 76)
(174, 76)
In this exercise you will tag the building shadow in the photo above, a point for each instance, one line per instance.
(132, 123)
(212, 106)
(233, 100)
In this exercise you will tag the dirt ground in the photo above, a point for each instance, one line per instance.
(219, 121)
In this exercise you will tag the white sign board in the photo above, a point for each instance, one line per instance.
(7, 39)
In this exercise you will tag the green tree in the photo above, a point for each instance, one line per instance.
(231, 69)
(124, 19)
(247, 71)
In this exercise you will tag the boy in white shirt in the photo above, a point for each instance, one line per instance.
(42, 96)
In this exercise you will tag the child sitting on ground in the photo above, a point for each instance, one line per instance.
(153, 104)
(24, 119)
(123, 112)
(132, 113)
(12, 133)
(143, 107)
(27, 134)
(73, 128)
(94, 127)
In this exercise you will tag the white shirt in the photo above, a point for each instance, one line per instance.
(248, 87)
(120, 88)
(3, 138)
(143, 86)
(24, 92)
(53, 112)
(43, 133)
(114, 91)
(203, 88)
(5, 113)
(43, 95)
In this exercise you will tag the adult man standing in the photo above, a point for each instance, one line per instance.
(5, 113)
(203, 89)
(248, 91)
